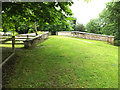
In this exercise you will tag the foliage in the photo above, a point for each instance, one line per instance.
(109, 26)
(79, 27)
(61, 25)
(117, 42)
(87, 1)
(108, 22)
(114, 16)
(39, 32)
(93, 26)
(24, 14)
(73, 22)
(108, 29)
(114, 11)
(21, 16)
(1, 30)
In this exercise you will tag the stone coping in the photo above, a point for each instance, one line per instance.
(38, 39)
(86, 33)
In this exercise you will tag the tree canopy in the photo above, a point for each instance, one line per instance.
(80, 27)
(108, 22)
(17, 14)
(93, 26)
(22, 16)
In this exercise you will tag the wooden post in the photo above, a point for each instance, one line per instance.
(27, 37)
(35, 28)
(13, 44)
(57, 33)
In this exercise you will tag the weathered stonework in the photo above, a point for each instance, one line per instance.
(92, 36)
(38, 39)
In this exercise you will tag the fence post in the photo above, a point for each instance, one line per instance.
(13, 44)
(27, 37)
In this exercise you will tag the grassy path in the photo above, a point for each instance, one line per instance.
(65, 62)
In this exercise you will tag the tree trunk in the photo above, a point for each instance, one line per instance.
(35, 28)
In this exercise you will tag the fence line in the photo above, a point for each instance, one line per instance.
(7, 59)
(13, 50)
(29, 41)
(38, 39)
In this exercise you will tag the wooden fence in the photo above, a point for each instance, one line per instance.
(3, 40)
(28, 43)
(29, 40)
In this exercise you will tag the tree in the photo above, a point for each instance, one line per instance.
(73, 22)
(29, 13)
(110, 19)
(108, 29)
(62, 24)
(79, 27)
(108, 22)
(114, 16)
(93, 26)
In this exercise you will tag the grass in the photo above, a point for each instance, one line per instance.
(10, 46)
(7, 49)
(66, 62)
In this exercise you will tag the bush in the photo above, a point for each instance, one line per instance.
(117, 42)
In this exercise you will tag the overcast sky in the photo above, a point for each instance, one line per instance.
(84, 11)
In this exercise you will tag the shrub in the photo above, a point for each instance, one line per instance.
(117, 42)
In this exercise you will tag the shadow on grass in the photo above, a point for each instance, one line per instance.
(8, 70)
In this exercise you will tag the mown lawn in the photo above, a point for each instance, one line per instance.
(66, 62)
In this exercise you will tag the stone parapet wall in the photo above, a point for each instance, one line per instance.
(85, 35)
(38, 39)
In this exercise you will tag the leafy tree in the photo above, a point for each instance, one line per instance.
(110, 19)
(34, 14)
(93, 26)
(114, 16)
(108, 22)
(73, 22)
(61, 26)
(108, 29)
(80, 27)
(28, 13)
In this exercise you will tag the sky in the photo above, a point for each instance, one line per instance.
(84, 11)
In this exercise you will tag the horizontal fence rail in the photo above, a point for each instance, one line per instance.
(13, 49)
(29, 40)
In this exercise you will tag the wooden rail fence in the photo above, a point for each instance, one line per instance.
(29, 40)
(13, 49)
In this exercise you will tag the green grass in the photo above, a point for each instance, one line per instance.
(7, 49)
(10, 46)
(66, 62)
